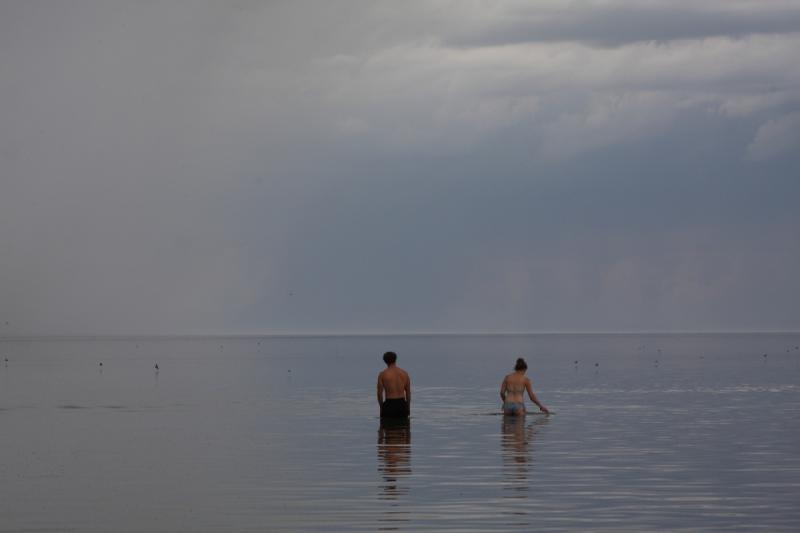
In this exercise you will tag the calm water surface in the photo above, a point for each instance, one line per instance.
(650, 432)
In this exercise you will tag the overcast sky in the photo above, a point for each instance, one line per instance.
(274, 167)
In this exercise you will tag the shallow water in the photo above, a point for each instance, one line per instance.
(650, 432)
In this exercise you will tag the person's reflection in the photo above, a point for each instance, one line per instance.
(394, 455)
(518, 434)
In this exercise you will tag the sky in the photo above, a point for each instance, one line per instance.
(193, 167)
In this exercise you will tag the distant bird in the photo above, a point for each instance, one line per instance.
(101, 363)
(597, 364)
(156, 367)
(576, 362)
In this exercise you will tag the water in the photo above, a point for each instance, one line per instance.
(667, 432)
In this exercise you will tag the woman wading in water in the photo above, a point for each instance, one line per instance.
(512, 391)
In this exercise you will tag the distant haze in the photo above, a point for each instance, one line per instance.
(273, 167)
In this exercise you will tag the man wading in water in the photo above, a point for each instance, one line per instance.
(394, 389)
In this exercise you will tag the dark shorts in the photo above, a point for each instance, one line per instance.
(394, 408)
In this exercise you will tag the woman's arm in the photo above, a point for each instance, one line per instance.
(533, 397)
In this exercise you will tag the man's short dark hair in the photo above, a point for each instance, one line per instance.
(389, 358)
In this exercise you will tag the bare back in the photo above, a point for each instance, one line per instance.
(513, 390)
(394, 383)
(514, 386)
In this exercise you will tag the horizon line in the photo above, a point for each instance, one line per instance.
(218, 335)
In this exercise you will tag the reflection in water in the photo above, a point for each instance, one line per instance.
(518, 433)
(394, 464)
(394, 454)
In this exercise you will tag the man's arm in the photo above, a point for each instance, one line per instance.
(503, 390)
(534, 399)
(380, 390)
(407, 389)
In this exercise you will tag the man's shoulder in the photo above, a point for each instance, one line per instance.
(395, 371)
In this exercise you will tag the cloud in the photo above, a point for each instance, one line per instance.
(776, 137)
(616, 23)
(566, 98)
(185, 166)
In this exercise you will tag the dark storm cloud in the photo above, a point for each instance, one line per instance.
(619, 23)
(201, 167)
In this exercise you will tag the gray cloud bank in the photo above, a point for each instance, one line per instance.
(615, 23)
(190, 167)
